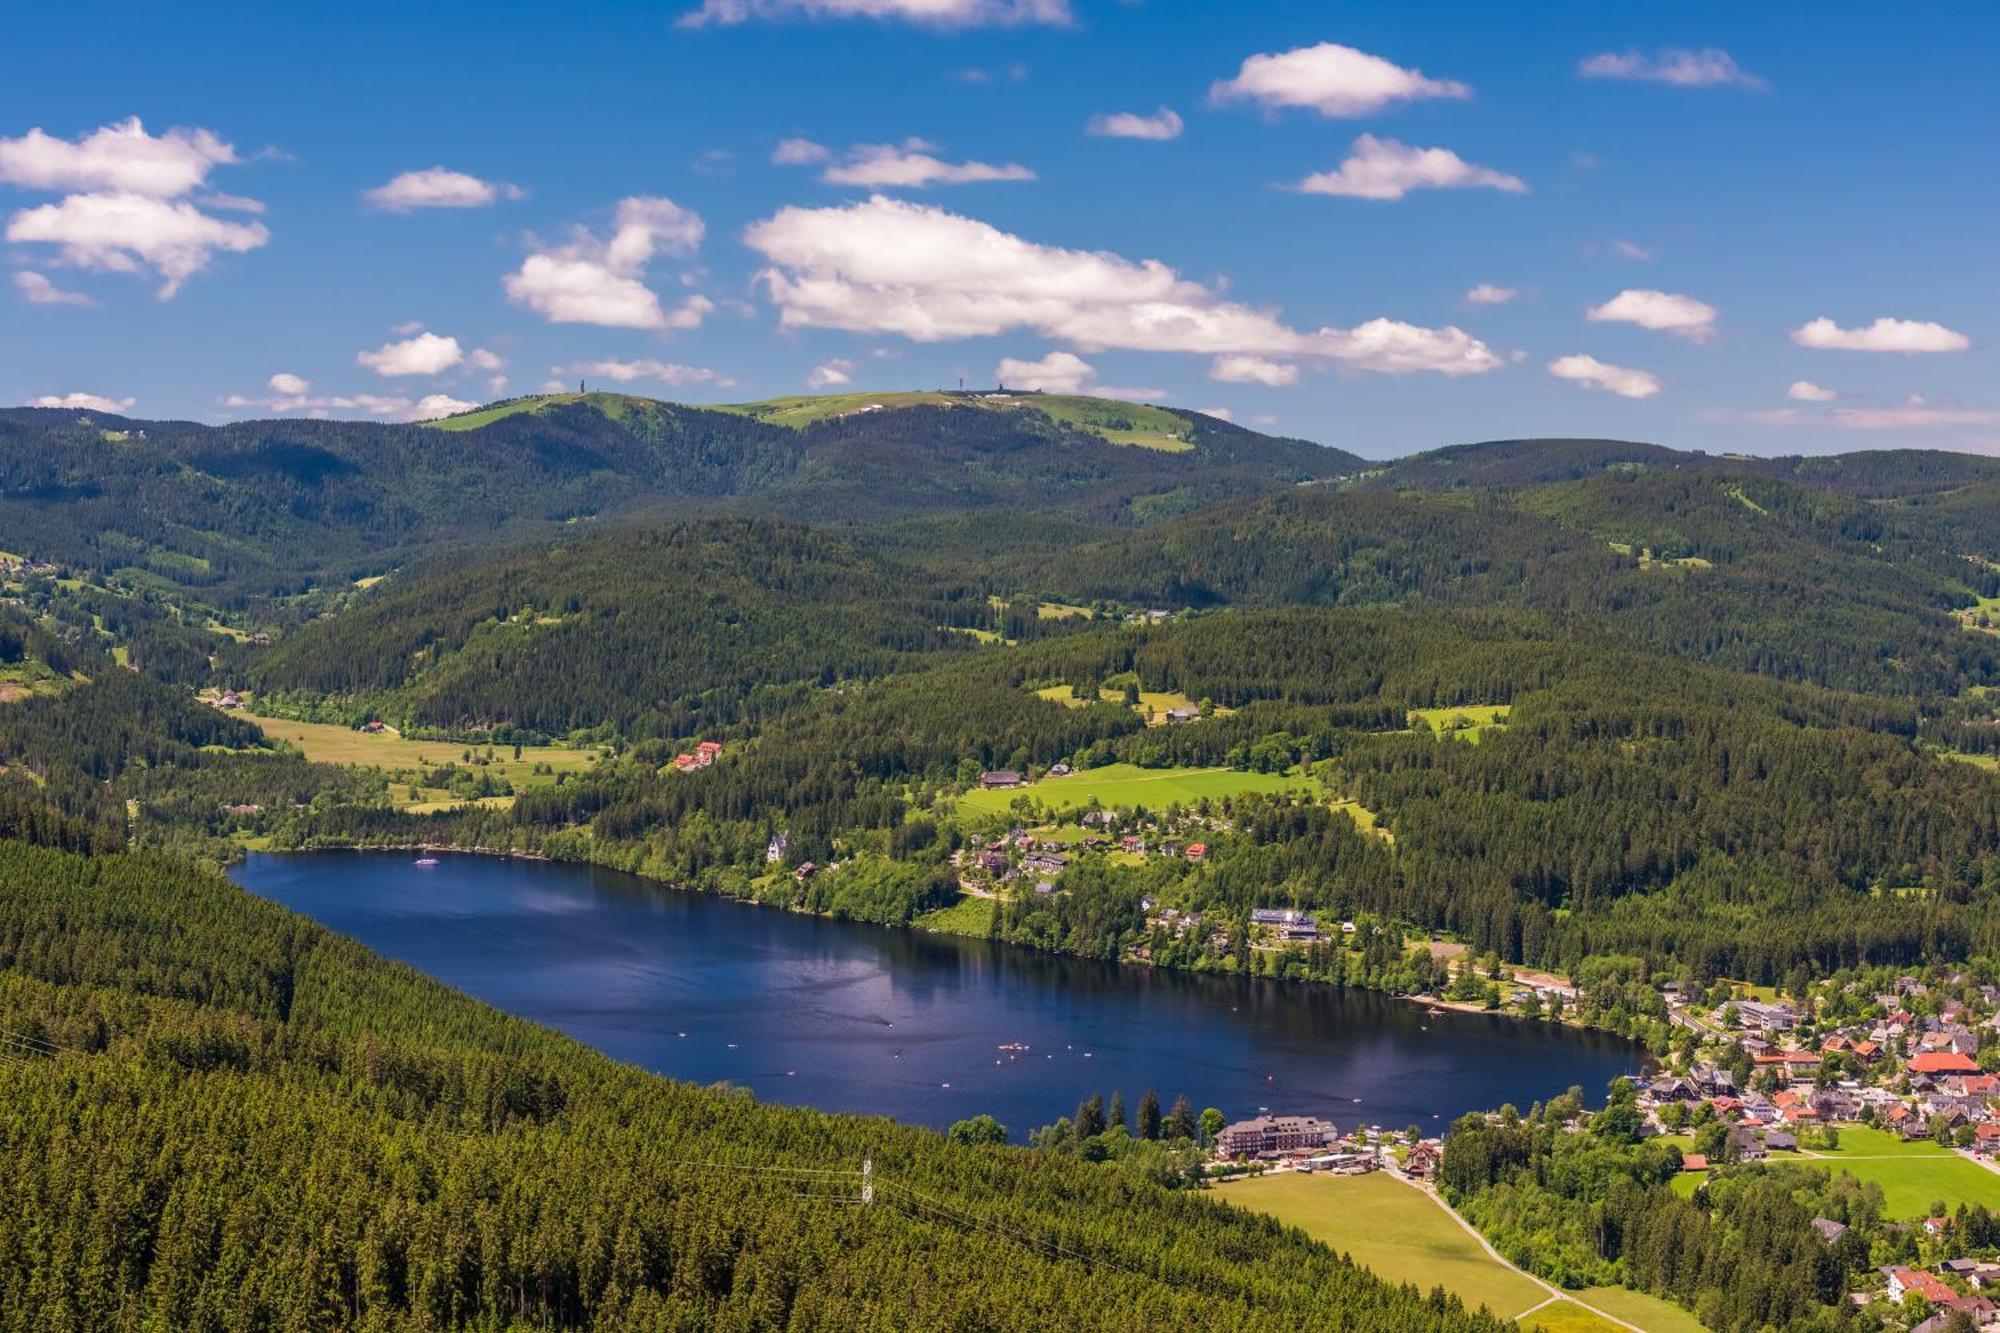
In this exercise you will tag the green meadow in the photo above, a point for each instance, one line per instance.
(1125, 786)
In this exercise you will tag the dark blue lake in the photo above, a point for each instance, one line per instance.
(857, 1018)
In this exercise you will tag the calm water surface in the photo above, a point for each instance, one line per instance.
(887, 1022)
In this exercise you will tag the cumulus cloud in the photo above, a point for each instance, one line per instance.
(831, 374)
(439, 187)
(1884, 335)
(1219, 413)
(1664, 312)
(912, 164)
(627, 372)
(1488, 294)
(1058, 372)
(1162, 124)
(89, 402)
(124, 233)
(1388, 169)
(1677, 66)
(1253, 370)
(1333, 80)
(891, 266)
(425, 354)
(116, 159)
(598, 280)
(1589, 371)
(122, 208)
(1805, 391)
(1065, 372)
(800, 153)
(284, 382)
(929, 13)
(433, 405)
(1632, 250)
(36, 289)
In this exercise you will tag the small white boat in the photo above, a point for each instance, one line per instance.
(427, 861)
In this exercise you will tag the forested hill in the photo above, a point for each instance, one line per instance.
(220, 1116)
(274, 507)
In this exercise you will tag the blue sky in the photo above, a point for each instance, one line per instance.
(1780, 215)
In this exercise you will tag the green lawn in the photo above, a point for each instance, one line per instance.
(1111, 421)
(1123, 786)
(1392, 1228)
(1467, 722)
(1913, 1176)
(328, 743)
(967, 916)
(1569, 1317)
(1636, 1307)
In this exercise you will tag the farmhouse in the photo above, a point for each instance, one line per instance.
(1000, 777)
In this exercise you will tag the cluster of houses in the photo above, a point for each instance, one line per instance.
(1023, 855)
(1916, 1075)
(700, 757)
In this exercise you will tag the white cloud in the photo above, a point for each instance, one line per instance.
(126, 213)
(1253, 370)
(831, 374)
(598, 281)
(1588, 370)
(1632, 250)
(116, 159)
(479, 358)
(912, 165)
(1388, 169)
(124, 233)
(439, 405)
(439, 187)
(1219, 413)
(929, 13)
(1065, 372)
(1805, 391)
(1884, 335)
(1682, 68)
(36, 289)
(1332, 79)
(89, 402)
(890, 266)
(626, 372)
(1488, 294)
(1162, 124)
(1058, 372)
(1663, 312)
(425, 354)
(288, 384)
(800, 152)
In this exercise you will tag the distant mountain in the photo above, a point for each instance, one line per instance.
(275, 507)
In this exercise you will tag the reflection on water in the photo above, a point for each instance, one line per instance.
(899, 1023)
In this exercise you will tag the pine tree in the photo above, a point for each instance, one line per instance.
(1180, 1121)
(1116, 1118)
(1149, 1115)
(1090, 1116)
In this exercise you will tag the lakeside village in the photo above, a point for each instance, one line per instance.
(1888, 1079)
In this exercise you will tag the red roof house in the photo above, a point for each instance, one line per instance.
(1943, 1062)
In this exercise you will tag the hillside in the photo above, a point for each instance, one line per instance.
(273, 508)
(224, 1116)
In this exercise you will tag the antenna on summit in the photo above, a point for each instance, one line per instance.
(579, 386)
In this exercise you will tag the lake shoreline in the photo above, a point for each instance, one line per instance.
(1426, 1002)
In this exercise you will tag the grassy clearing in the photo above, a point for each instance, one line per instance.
(1109, 420)
(1569, 1317)
(1466, 722)
(967, 916)
(1636, 1307)
(1982, 616)
(327, 743)
(1913, 1176)
(1153, 705)
(1649, 559)
(1124, 786)
(1392, 1228)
